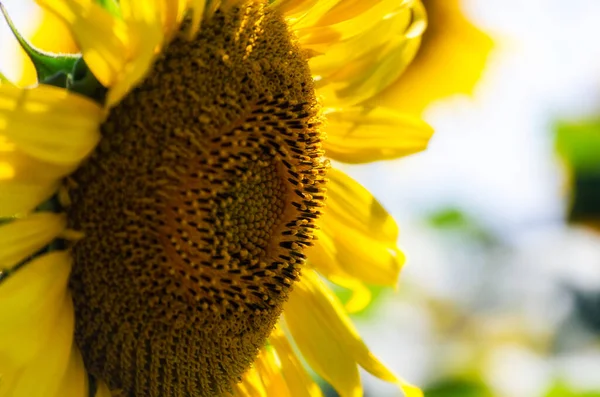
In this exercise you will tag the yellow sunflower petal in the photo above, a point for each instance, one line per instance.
(19, 198)
(104, 391)
(145, 34)
(271, 375)
(451, 60)
(351, 203)
(296, 377)
(22, 238)
(38, 289)
(325, 335)
(172, 12)
(42, 375)
(323, 258)
(292, 7)
(102, 38)
(49, 123)
(250, 385)
(357, 239)
(351, 71)
(361, 136)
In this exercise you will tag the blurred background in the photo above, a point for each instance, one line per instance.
(500, 217)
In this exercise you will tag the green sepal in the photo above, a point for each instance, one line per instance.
(46, 64)
(82, 81)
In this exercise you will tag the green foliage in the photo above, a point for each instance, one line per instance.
(561, 389)
(458, 388)
(453, 220)
(579, 145)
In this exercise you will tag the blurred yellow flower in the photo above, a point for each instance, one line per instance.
(451, 59)
(171, 249)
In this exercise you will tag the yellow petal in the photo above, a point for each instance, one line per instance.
(42, 375)
(351, 203)
(296, 377)
(451, 60)
(75, 379)
(327, 339)
(172, 12)
(102, 38)
(18, 166)
(293, 8)
(31, 302)
(360, 136)
(104, 391)
(49, 123)
(22, 238)
(250, 385)
(19, 198)
(197, 8)
(145, 35)
(271, 375)
(357, 239)
(354, 70)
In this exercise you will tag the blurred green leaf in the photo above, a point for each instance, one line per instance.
(455, 220)
(458, 388)
(579, 145)
(561, 389)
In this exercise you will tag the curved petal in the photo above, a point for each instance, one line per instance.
(250, 385)
(324, 334)
(102, 38)
(19, 198)
(357, 239)
(49, 123)
(358, 67)
(296, 377)
(146, 36)
(360, 135)
(33, 303)
(21, 238)
(352, 204)
(271, 375)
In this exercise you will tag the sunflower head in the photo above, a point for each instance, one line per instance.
(197, 207)
(174, 174)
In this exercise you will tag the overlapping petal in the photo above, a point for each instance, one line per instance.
(22, 238)
(358, 237)
(294, 373)
(49, 123)
(361, 135)
(44, 337)
(325, 335)
(102, 38)
(356, 59)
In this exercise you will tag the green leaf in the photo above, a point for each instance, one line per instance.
(561, 389)
(46, 64)
(458, 388)
(579, 145)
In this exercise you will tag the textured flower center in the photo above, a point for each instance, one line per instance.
(196, 209)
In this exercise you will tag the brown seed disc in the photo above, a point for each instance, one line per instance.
(196, 209)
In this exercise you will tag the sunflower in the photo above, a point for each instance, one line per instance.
(162, 197)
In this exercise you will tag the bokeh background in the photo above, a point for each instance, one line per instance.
(500, 217)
